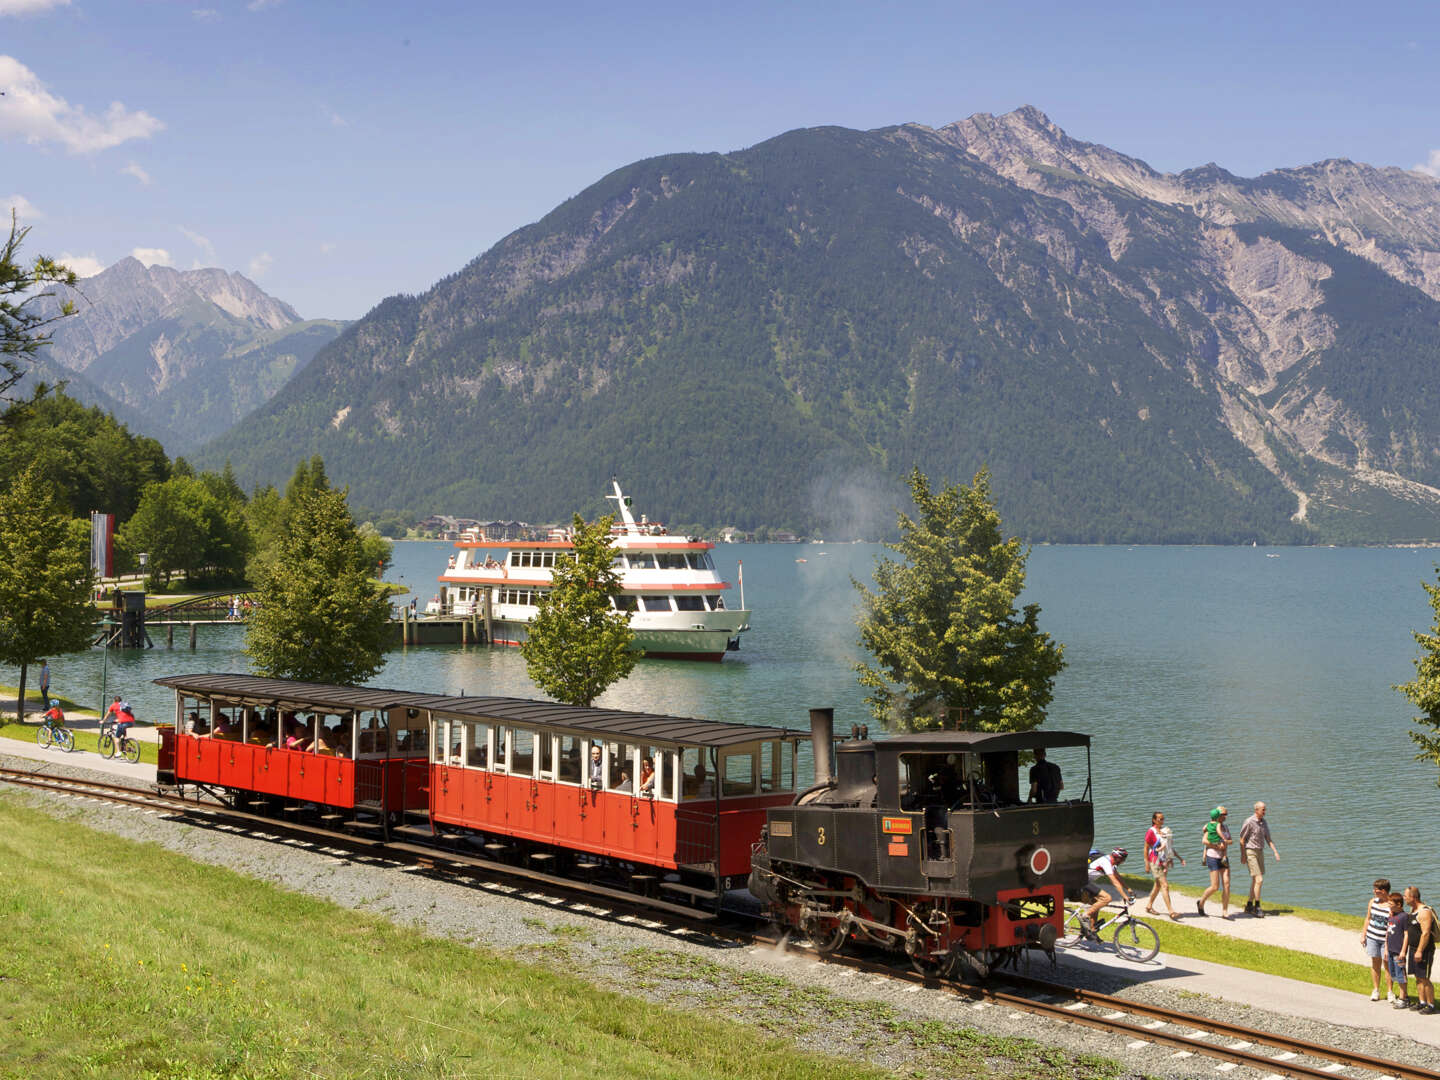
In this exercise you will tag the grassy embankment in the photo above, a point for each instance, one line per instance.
(212, 974)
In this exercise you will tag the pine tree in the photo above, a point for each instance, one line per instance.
(950, 647)
(1424, 691)
(22, 316)
(321, 617)
(578, 645)
(45, 578)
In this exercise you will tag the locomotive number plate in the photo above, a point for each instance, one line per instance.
(899, 825)
(782, 828)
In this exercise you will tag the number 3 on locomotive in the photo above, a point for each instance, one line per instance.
(820, 836)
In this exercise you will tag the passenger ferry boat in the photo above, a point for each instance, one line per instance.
(668, 583)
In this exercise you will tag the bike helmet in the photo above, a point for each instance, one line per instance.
(54, 703)
(1119, 854)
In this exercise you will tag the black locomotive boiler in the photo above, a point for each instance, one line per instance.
(925, 843)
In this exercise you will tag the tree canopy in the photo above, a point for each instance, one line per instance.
(45, 577)
(1424, 690)
(950, 646)
(321, 617)
(578, 645)
(22, 317)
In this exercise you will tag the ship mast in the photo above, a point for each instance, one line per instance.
(622, 505)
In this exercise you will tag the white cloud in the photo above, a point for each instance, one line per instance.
(36, 115)
(207, 249)
(261, 5)
(23, 208)
(336, 120)
(137, 172)
(1430, 166)
(205, 15)
(260, 264)
(83, 265)
(153, 256)
(29, 7)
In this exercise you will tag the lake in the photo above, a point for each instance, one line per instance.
(1204, 674)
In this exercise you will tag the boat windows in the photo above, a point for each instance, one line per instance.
(620, 775)
(572, 749)
(623, 603)
(528, 597)
(671, 560)
(738, 772)
(700, 560)
(698, 776)
(690, 603)
(656, 603)
(714, 602)
(641, 560)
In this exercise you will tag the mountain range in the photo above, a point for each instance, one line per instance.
(776, 335)
(180, 355)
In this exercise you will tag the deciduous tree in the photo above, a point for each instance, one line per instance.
(321, 618)
(1424, 690)
(23, 317)
(45, 578)
(578, 645)
(949, 644)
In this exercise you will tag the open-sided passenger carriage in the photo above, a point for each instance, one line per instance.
(511, 777)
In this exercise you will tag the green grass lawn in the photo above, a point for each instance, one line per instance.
(210, 974)
(84, 740)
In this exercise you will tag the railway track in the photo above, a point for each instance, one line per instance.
(1231, 1046)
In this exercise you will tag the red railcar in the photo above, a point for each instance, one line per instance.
(675, 802)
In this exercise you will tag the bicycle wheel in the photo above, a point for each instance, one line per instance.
(107, 745)
(1072, 934)
(43, 736)
(131, 750)
(1136, 940)
(65, 739)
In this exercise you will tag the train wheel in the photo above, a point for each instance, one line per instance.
(827, 935)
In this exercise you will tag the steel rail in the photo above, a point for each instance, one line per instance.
(1065, 1004)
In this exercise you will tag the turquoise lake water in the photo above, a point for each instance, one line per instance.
(1204, 674)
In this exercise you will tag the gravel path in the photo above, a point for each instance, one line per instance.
(823, 1007)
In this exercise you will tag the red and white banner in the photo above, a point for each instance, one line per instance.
(102, 544)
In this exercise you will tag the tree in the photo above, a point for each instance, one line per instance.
(942, 625)
(45, 578)
(320, 617)
(578, 645)
(22, 318)
(1424, 691)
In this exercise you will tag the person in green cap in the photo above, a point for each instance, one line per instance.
(1216, 839)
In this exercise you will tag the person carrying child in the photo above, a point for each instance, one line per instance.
(1162, 857)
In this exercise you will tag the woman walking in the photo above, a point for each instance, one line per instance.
(1216, 838)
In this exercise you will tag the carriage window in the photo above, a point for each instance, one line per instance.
(475, 740)
(374, 734)
(572, 748)
(643, 561)
(412, 733)
(656, 603)
(739, 774)
(546, 744)
(690, 603)
(772, 776)
(788, 778)
(698, 779)
(669, 774)
(652, 765)
(501, 748)
(621, 776)
(442, 741)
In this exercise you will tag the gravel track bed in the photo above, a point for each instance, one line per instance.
(822, 1007)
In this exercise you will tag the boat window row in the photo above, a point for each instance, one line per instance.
(691, 602)
(374, 733)
(667, 773)
(536, 558)
(518, 596)
(664, 560)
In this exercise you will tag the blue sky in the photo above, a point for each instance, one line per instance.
(339, 153)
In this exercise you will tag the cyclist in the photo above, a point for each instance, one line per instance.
(122, 716)
(1106, 866)
(54, 715)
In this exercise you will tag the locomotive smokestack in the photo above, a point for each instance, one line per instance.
(822, 741)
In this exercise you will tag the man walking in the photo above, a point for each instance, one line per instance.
(45, 682)
(1424, 954)
(1254, 836)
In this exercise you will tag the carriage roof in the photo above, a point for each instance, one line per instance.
(599, 723)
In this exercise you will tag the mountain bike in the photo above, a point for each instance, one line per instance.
(1134, 939)
(129, 748)
(56, 733)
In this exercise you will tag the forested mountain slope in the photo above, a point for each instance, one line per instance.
(774, 336)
